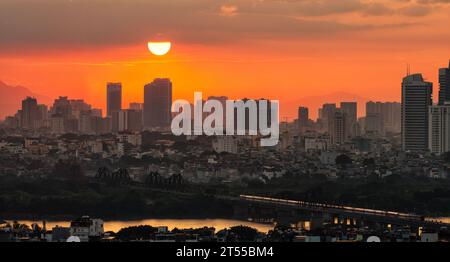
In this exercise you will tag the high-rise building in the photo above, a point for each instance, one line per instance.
(29, 112)
(382, 117)
(350, 109)
(327, 115)
(61, 107)
(391, 112)
(85, 124)
(444, 85)
(130, 120)
(303, 117)
(158, 103)
(113, 98)
(338, 132)
(439, 129)
(374, 122)
(416, 98)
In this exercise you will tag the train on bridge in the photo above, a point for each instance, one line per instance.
(327, 207)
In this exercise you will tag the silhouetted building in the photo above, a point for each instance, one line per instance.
(113, 98)
(29, 112)
(444, 85)
(439, 129)
(374, 122)
(350, 109)
(158, 103)
(303, 117)
(338, 124)
(416, 98)
(326, 116)
(61, 107)
(130, 120)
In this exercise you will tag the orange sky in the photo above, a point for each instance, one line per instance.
(275, 49)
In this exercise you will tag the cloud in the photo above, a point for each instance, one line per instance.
(415, 10)
(228, 10)
(65, 24)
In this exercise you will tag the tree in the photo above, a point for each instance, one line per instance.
(343, 160)
(244, 233)
(369, 162)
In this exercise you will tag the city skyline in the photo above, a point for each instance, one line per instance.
(313, 111)
(249, 48)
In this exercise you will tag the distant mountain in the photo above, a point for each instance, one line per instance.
(316, 102)
(11, 98)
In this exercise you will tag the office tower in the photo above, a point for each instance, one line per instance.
(158, 103)
(303, 117)
(439, 129)
(444, 85)
(338, 132)
(391, 113)
(328, 111)
(382, 117)
(113, 98)
(29, 112)
(350, 109)
(416, 98)
(374, 122)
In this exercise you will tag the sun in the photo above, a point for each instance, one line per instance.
(159, 48)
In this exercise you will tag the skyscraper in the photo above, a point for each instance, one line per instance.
(303, 117)
(444, 85)
(338, 132)
(327, 116)
(350, 110)
(113, 98)
(391, 112)
(439, 129)
(158, 103)
(374, 123)
(29, 112)
(416, 98)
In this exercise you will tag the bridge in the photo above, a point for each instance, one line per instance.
(259, 207)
